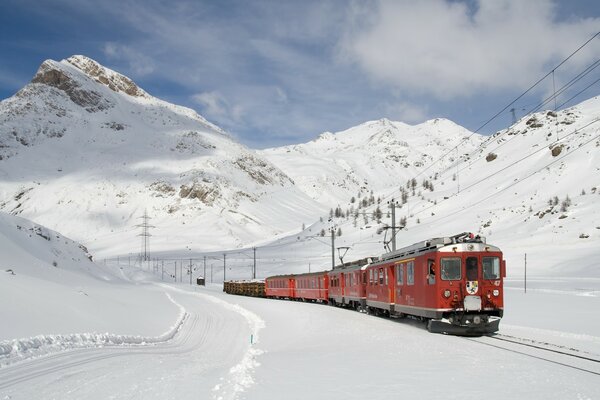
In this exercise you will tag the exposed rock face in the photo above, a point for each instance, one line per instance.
(50, 75)
(260, 171)
(115, 81)
(203, 192)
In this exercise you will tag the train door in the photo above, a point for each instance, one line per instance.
(391, 283)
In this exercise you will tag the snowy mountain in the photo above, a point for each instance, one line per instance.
(526, 188)
(374, 156)
(531, 189)
(85, 151)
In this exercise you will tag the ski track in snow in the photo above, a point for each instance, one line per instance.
(22, 349)
(240, 376)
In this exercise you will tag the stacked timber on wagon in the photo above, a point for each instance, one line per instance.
(254, 288)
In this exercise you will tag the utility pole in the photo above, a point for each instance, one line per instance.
(514, 117)
(175, 271)
(204, 276)
(332, 247)
(224, 267)
(145, 255)
(457, 171)
(393, 205)
(190, 271)
(211, 273)
(162, 271)
(254, 266)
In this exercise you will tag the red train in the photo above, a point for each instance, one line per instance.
(454, 283)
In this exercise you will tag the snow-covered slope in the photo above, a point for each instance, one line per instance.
(531, 189)
(50, 285)
(374, 156)
(85, 151)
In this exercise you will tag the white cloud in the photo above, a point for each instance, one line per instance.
(216, 106)
(447, 49)
(406, 112)
(138, 62)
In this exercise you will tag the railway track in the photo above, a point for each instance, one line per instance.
(560, 355)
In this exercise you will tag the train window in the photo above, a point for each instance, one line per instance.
(410, 273)
(472, 269)
(381, 276)
(400, 274)
(450, 269)
(371, 277)
(491, 267)
(385, 274)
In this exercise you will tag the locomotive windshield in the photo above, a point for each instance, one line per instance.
(451, 270)
(491, 268)
(472, 270)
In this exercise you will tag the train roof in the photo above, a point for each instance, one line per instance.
(316, 273)
(429, 245)
(355, 264)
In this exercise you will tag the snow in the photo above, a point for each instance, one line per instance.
(75, 326)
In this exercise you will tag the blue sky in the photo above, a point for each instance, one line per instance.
(281, 72)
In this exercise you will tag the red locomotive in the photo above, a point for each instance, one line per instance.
(454, 283)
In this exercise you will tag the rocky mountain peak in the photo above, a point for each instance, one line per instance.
(113, 80)
(54, 74)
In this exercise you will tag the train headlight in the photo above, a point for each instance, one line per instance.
(447, 293)
(496, 292)
(477, 320)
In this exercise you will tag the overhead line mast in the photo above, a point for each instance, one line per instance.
(145, 252)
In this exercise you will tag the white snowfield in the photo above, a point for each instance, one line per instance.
(232, 347)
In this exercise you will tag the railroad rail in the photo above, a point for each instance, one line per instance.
(563, 355)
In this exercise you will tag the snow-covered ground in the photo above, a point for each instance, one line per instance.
(232, 347)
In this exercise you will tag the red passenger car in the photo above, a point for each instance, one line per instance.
(347, 284)
(312, 286)
(280, 287)
(454, 282)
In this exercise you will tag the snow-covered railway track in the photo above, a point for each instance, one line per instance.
(559, 355)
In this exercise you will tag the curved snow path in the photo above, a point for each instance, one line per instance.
(240, 376)
(209, 355)
(20, 349)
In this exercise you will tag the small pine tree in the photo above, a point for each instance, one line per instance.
(566, 203)
(378, 214)
(322, 233)
(339, 232)
(353, 200)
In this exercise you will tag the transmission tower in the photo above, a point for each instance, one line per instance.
(145, 253)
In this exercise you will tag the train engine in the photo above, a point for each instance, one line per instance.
(454, 283)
